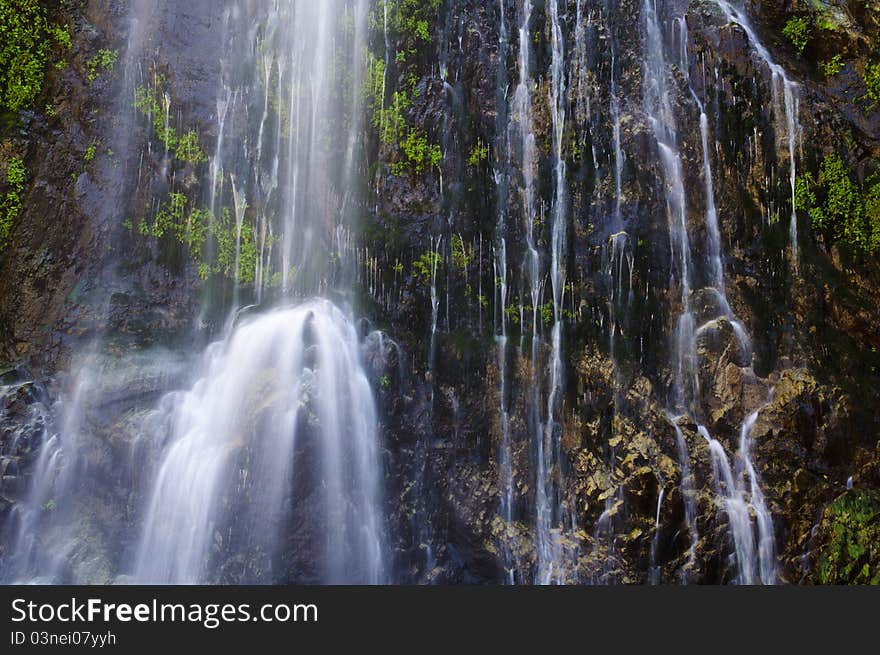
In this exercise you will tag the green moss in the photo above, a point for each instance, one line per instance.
(211, 241)
(850, 553)
(104, 60)
(188, 148)
(61, 35)
(91, 150)
(479, 153)
(799, 32)
(407, 20)
(185, 146)
(461, 254)
(421, 30)
(23, 52)
(872, 215)
(419, 155)
(225, 234)
(871, 78)
(838, 207)
(10, 205)
(424, 266)
(832, 67)
(408, 149)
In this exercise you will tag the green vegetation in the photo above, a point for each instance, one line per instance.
(385, 382)
(419, 154)
(387, 118)
(421, 30)
(461, 254)
(871, 78)
(61, 35)
(409, 149)
(408, 20)
(799, 32)
(203, 234)
(188, 148)
(91, 150)
(184, 146)
(413, 151)
(10, 205)
(103, 61)
(49, 505)
(852, 553)
(425, 265)
(479, 153)
(832, 67)
(23, 52)
(26, 41)
(838, 207)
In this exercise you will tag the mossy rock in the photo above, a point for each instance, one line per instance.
(850, 550)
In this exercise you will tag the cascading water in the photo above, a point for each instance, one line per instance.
(740, 492)
(42, 543)
(521, 123)
(550, 506)
(552, 516)
(285, 385)
(686, 382)
(270, 461)
(281, 428)
(501, 175)
(790, 108)
(44, 534)
(662, 118)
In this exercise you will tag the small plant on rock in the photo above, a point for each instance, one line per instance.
(104, 60)
(10, 205)
(798, 31)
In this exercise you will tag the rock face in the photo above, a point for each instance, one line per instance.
(464, 372)
(785, 345)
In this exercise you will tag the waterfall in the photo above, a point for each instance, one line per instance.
(618, 150)
(41, 542)
(280, 430)
(522, 118)
(550, 510)
(740, 491)
(41, 523)
(501, 175)
(521, 121)
(615, 380)
(790, 108)
(662, 118)
(230, 475)
(686, 388)
(689, 496)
